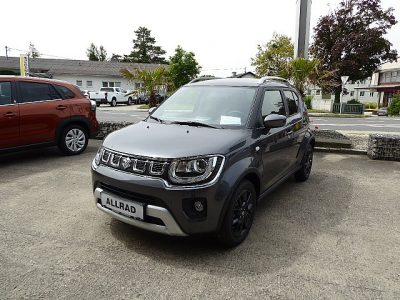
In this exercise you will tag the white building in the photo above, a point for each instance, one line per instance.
(386, 82)
(358, 90)
(88, 75)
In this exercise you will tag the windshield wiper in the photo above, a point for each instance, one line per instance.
(156, 119)
(193, 123)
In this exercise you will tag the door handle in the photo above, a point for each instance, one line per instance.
(10, 114)
(289, 130)
(61, 107)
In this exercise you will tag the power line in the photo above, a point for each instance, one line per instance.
(42, 54)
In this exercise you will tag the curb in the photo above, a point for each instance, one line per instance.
(340, 150)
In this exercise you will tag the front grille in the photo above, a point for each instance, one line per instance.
(147, 200)
(132, 164)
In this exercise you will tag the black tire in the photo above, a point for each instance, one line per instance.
(98, 104)
(73, 140)
(239, 215)
(113, 102)
(129, 101)
(306, 165)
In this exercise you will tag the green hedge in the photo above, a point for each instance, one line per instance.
(394, 107)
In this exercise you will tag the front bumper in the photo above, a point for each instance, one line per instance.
(170, 227)
(160, 201)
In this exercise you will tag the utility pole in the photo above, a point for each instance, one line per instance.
(302, 36)
(6, 52)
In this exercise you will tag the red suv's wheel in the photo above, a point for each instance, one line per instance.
(73, 140)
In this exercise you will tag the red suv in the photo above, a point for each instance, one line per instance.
(43, 112)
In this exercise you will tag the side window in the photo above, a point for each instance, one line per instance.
(32, 92)
(65, 92)
(5, 92)
(293, 102)
(273, 104)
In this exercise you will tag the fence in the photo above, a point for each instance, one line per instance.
(348, 108)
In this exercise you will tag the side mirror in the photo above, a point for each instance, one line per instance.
(274, 121)
(151, 110)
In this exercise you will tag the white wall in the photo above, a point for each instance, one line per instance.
(321, 104)
(97, 81)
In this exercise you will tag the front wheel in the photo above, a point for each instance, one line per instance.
(306, 165)
(129, 101)
(73, 140)
(113, 102)
(239, 216)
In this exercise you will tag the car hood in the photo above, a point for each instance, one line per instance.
(174, 141)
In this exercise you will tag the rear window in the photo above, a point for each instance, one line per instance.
(107, 90)
(5, 92)
(65, 92)
(33, 91)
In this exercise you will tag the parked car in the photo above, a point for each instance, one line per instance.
(86, 93)
(203, 159)
(383, 111)
(110, 95)
(42, 112)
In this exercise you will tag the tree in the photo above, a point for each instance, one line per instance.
(183, 67)
(351, 40)
(145, 49)
(102, 54)
(272, 58)
(116, 57)
(394, 107)
(304, 72)
(151, 79)
(92, 52)
(96, 54)
(33, 52)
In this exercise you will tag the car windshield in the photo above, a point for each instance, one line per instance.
(218, 106)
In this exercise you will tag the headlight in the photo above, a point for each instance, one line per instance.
(194, 170)
(98, 156)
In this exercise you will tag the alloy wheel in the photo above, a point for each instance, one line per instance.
(243, 211)
(75, 140)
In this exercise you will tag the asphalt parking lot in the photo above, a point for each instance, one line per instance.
(336, 236)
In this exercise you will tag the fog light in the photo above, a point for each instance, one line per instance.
(198, 206)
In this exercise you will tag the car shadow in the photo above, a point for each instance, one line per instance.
(287, 222)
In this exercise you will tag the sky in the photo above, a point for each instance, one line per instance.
(223, 34)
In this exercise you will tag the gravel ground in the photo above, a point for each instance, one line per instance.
(359, 140)
(329, 134)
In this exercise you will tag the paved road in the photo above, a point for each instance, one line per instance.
(372, 124)
(336, 236)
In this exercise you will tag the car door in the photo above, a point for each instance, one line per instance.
(41, 111)
(119, 95)
(273, 142)
(294, 126)
(9, 115)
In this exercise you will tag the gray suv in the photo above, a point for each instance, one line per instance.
(202, 160)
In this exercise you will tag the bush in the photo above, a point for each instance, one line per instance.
(353, 101)
(371, 105)
(307, 101)
(394, 107)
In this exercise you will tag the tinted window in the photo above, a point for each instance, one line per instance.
(293, 102)
(273, 104)
(32, 91)
(107, 90)
(65, 92)
(5, 92)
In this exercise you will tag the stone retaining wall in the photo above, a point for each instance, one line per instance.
(108, 127)
(384, 147)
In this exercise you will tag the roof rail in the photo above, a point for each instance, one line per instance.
(276, 78)
(204, 78)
